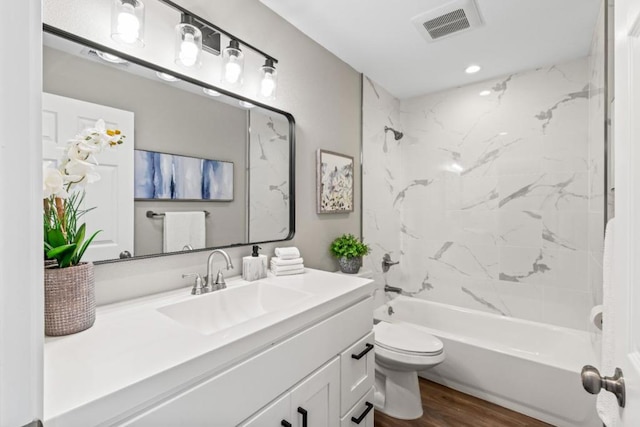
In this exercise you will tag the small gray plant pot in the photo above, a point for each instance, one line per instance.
(350, 265)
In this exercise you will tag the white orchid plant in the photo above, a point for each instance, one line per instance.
(63, 193)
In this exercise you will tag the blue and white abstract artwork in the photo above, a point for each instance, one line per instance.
(168, 176)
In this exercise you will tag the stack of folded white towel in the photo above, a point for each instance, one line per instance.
(287, 261)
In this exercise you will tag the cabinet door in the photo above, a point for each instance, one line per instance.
(316, 401)
(275, 414)
(357, 366)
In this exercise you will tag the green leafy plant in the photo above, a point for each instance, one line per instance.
(348, 246)
(64, 240)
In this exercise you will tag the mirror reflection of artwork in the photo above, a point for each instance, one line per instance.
(169, 176)
(335, 182)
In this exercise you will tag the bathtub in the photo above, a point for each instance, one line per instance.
(525, 366)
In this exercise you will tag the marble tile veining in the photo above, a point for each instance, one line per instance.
(487, 201)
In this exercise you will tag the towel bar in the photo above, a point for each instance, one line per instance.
(154, 215)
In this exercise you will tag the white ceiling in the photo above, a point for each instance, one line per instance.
(377, 38)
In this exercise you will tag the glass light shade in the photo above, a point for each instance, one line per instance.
(127, 22)
(188, 45)
(269, 80)
(232, 64)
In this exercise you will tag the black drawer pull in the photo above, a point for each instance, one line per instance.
(285, 423)
(304, 414)
(368, 348)
(364, 414)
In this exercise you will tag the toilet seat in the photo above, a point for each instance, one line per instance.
(406, 339)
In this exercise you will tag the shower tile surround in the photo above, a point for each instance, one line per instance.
(485, 201)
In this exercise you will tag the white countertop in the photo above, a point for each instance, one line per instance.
(135, 354)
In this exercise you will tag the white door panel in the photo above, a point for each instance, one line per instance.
(626, 286)
(112, 195)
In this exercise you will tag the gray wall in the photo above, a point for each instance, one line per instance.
(321, 91)
(167, 120)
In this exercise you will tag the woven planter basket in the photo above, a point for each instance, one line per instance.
(69, 299)
(350, 265)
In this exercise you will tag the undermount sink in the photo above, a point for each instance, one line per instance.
(230, 307)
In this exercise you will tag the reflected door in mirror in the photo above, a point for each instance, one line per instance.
(112, 195)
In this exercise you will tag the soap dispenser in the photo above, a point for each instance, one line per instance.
(254, 267)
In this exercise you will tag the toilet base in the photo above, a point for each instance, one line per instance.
(398, 393)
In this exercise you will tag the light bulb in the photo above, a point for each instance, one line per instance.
(267, 86)
(269, 81)
(232, 64)
(188, 51)
(246, 104)
(232, 71)
(128, 26)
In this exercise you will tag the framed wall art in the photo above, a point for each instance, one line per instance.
(173, 177)
(334, 181)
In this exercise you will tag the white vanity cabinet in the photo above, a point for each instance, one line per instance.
(304, 377)
(312, 362)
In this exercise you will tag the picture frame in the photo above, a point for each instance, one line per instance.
(164, 176)
(334, 182)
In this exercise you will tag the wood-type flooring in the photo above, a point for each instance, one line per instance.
(445, 407)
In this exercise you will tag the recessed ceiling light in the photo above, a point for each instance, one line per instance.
(246, 104)
(503, 133)
(110, 57)
(485, 93)
(167, 77)
(210, 92)
(472, 69)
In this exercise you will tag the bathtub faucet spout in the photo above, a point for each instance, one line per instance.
(388, 288)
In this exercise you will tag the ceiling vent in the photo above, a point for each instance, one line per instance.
(452, 18)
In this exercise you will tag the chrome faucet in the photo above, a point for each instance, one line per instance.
(219, 283)
(209, 284)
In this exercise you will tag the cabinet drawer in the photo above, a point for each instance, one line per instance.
(357, 365)
(362, 411)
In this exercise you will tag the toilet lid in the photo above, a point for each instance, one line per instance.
(406, 338)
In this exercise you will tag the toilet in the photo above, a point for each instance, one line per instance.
(401, 351)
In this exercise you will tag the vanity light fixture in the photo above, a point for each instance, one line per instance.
(485, 93)
(269, 80)
(167, 77)
(193, 36)
(246, 104)
(188, 43)
(110, 57)
(127, 21)
(210, 92)
(232, 64)
(472, 69)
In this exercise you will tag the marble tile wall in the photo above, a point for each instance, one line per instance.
(268, 176)
(382, 178)
(597, 128)
(485, 201)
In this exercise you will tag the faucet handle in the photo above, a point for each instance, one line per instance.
(198, 288)
(220, 283)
